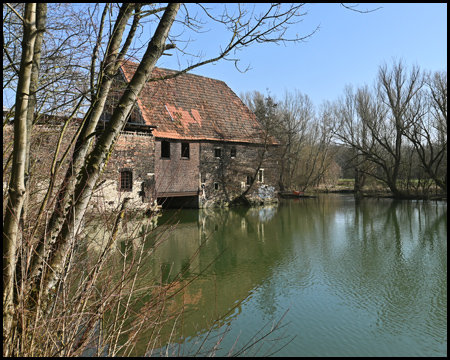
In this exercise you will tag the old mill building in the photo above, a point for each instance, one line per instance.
(189, 142)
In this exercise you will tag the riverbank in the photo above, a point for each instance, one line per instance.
(373, 190)
(382, 194)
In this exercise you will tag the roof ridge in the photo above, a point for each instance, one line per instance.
(166, 69)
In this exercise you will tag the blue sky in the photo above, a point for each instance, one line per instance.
(347, 49)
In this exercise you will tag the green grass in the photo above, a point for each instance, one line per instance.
(345, 182)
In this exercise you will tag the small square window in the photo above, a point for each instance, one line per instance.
(126, 180)
(233, 152)
(185, 150)
(216, 186)
(218, 152)
(165, 149)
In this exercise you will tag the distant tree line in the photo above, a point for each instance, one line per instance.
(394, 131)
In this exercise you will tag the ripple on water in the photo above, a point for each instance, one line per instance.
(364, 282)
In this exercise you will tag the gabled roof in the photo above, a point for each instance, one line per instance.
(193, 107)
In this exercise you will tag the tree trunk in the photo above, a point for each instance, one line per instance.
(100, 154)
(41, 19)
(83, 143)
(359, 182)
(11, 234)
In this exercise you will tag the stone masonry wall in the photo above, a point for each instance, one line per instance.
(133, 151)
(227, 176)
(44, 139)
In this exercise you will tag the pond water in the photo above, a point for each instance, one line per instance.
(346, 277)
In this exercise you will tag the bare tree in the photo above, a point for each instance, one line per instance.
(305, 153)
(429, 133)
(288, 121)
(17, 190)
(317, 153)
(296, 113)
(357, 132)
(376, 123)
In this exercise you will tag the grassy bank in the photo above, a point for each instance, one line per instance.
(375, 188)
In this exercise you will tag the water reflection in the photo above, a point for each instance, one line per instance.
(391, 264)
(362, 277)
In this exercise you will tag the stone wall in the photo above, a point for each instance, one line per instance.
(134, 151)
(44, 140)
(225, 177)
(216, 179)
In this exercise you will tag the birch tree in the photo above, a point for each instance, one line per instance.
(11, 231)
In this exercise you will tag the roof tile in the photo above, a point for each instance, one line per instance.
(194, 107)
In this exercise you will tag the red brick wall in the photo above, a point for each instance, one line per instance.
(177, 174)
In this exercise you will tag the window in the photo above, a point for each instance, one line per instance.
(261, 175)
(165, 149)
(249, 179)
(233, 152)
(185, 150)
(217, 152)
(126, 180)
(216, 186)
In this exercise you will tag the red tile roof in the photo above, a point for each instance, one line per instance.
(194, 107)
